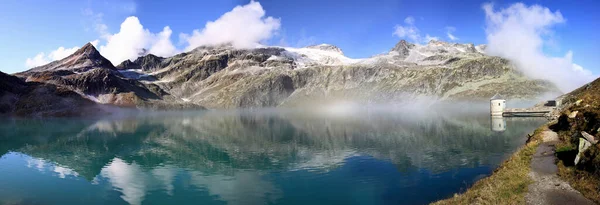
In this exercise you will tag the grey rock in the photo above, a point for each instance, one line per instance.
(32, 99)
(583, 146)
(589, 138)
(403, 47)
(327, 47)
(573, 114)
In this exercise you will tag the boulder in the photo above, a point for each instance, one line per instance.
(573, 114)
(589, 138)
(583, 146)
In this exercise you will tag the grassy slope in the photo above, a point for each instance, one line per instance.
(585, 177)
(508, 184)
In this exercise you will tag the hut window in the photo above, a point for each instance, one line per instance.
(498, 104)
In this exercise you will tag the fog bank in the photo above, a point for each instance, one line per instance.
(520, 32)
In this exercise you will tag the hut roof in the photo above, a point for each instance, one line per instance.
(497, 97)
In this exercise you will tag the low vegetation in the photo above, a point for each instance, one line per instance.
(508, 184)
(585, 176)
(583, 181)
(580, 112)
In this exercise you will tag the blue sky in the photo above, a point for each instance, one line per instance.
(360, 28)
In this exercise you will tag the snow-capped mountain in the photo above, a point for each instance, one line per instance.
(225, 77)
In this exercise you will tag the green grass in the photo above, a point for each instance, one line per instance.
(565, 147)
(508, 184)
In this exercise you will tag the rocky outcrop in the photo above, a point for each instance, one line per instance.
(10, 89)
(147, 63)
(41, 100)
(403, 48)
(327, 47)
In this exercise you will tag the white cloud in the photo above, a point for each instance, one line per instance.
(96, 19)
(129, 179)
(133, 40)
(38, 60)
(518, 33)
(430, 38)
(449, 31)
(42, 58)
(130, 42)
(162, 45)
(303, 41)
(409, 20)
(410, 31)
(244, 27)
(95, 42)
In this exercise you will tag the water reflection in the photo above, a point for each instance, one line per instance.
(498, 124)
(251, 157)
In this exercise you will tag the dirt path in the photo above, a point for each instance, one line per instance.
(547, 187)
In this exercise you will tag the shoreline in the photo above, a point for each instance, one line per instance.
(531, 175)
(508, 183)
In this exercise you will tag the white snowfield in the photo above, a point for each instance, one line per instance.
(325, 54)
(308, 56)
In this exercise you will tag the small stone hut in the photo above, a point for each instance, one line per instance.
(497, 105)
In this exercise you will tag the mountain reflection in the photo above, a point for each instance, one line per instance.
(231, 156)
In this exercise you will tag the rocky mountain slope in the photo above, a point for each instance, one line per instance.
(21, 98)
(225, 77)
(89, 74)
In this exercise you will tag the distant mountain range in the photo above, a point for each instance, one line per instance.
(225, 77)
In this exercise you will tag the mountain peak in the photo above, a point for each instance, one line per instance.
(434, 41)
(403, 47)
(85, 58)
(147, 63)
(89, 45)
(87, 49)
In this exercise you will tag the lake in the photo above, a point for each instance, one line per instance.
(254, 157)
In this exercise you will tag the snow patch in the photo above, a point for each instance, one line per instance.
(312, 56)
(275, 58)
(163, 81)
(134, 73)
(92, 98)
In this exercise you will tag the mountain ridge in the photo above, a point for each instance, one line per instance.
(225, 77)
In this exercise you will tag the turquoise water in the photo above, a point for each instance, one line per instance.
(252, 157)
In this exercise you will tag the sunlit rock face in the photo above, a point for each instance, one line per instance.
(224, 77)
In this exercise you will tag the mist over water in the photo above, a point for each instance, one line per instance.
(342, 154)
